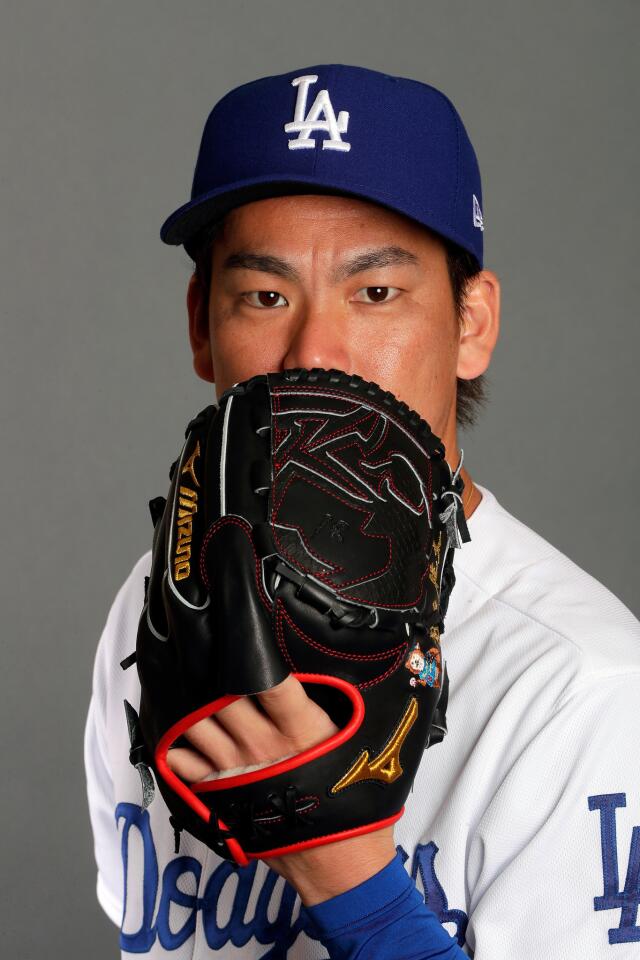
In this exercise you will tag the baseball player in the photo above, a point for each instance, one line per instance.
(336, 222)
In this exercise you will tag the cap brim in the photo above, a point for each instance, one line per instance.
(188, 220)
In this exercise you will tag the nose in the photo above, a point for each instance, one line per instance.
(319, 338)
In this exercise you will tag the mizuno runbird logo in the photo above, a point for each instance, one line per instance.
(386, 767)
(187, 509)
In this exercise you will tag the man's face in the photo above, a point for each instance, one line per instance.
(324, 281)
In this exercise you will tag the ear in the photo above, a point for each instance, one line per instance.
(198, 309)
(480, 325)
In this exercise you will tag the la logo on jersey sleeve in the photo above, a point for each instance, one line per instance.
(613, 898)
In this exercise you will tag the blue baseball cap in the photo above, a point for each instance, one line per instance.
(343, 130)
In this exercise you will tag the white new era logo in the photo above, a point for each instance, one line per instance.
(478, 220)
(321, 118)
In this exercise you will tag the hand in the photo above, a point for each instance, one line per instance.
(243, 735)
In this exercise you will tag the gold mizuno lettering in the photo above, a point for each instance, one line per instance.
(184, 547)
(187, 508)
(185, 527)
(386, 767)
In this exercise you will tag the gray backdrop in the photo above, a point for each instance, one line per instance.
(102, 110)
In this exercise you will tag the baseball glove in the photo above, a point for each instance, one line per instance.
(309, 529)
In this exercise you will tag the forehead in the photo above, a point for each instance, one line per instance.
(289, 218)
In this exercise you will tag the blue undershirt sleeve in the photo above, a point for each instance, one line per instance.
(384, 918)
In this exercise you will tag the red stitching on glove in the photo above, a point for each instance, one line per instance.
(329, 651)
(362, 401)
(281, 640)
(246, 528)
(392, 669)
(322, 575)
(400, 650)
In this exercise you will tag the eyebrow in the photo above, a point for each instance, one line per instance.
(378, 257)
(261, 262)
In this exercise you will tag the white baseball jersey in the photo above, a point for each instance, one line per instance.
(523, 826)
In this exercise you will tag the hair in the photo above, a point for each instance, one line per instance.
(471, 395)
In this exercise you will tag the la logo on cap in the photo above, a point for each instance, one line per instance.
(321, 118)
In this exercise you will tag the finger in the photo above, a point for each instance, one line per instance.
(297, 716)
(214, 743)
(189, 764)
(255, 734)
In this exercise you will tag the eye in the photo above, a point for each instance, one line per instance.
(265, 298)
(377, 294)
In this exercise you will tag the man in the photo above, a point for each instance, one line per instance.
(336, 221)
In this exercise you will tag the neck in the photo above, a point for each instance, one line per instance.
(471, 496)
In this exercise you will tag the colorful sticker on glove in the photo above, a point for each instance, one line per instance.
(425, 667)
